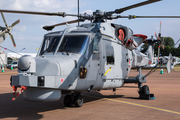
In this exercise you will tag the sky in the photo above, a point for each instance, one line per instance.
(29, 33)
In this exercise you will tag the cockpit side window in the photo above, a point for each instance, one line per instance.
(95, 49)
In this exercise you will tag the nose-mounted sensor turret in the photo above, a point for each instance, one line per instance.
(26, 63)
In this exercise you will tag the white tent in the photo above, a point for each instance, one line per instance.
(18, 55)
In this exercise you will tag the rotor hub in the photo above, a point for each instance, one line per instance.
(98, 13)
(99, 16)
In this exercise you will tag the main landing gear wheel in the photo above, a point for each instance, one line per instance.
(71, 100)
(145, 94)
(145, 90)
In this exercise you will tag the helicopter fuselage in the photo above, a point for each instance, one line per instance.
(89, 57)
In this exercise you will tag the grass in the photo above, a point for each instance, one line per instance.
(177, 68)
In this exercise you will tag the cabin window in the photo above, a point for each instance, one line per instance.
(50, 44)
(74, 44)
(95, 49)
(109, 54)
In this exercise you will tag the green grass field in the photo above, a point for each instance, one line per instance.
(177, 67)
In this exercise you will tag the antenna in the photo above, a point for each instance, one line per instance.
(78, 12)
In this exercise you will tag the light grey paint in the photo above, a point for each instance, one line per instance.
(61, 70)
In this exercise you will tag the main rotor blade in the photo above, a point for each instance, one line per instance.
(12, 39)
(4, 19)
(15, 23)
(156, 16)
(64, 23)
(3, 33)
(35, 13)
(118, 11)
(134, 16)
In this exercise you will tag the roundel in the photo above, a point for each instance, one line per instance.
(121, 34)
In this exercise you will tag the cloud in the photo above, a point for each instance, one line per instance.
(68, 6)
(20, 28)
(40, 5)
(90, 12)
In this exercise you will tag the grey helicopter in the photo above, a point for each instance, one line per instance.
(92, 56)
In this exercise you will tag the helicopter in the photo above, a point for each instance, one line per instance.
(4, 31)
(92, 56)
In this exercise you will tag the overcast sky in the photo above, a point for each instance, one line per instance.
(29, 33)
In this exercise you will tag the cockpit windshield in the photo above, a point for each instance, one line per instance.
(74, 44)
(50, 44)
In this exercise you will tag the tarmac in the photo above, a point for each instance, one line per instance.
(123, 104)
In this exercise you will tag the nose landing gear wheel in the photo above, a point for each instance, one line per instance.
(78, 101)
(70, 100)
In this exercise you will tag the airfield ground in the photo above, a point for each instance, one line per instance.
(104, 105)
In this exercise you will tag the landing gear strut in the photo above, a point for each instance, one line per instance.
(74, 99)
(144, 90)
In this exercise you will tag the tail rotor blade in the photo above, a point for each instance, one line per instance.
(15, 23)
(4, 19)
(12, 39)
(157, 36)
(160, 29)
(158, 52)
(163, 46)
(162, 42)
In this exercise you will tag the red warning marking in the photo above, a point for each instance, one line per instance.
(144, 37)
(150, 62)
(62, 80)
(15, 89)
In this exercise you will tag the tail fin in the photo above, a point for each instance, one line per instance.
(150, 51)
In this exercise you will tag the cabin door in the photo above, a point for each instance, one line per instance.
(109, 68)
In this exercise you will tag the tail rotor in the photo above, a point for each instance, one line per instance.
(160, 40)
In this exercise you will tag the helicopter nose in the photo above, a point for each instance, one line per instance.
(26, 62)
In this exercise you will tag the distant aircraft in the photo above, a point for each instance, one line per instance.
(4, 31)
